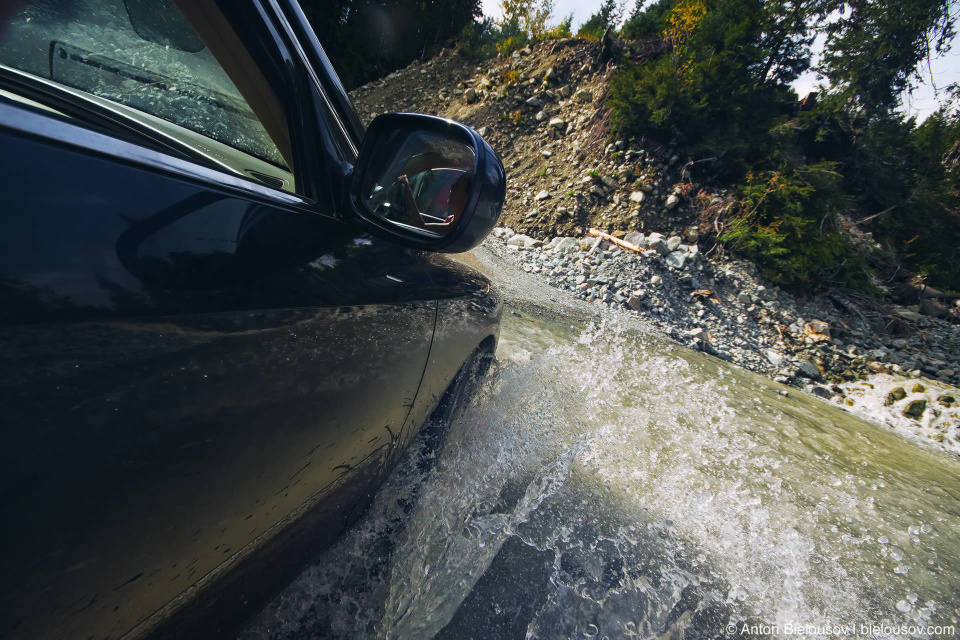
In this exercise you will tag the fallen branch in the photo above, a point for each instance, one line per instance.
(617, 241)
(930, 292)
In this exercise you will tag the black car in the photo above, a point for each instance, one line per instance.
(225, 307)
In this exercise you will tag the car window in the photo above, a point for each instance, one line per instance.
(186, 67)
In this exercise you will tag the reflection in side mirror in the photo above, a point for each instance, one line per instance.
(428, 182)
(422, 182)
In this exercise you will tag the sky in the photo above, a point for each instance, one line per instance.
(923, 101)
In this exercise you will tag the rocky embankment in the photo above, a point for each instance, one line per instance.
(543, 110)
(721, 307)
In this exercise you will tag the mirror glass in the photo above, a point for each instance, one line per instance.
(419, 179)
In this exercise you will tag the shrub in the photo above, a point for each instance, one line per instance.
(786, 222)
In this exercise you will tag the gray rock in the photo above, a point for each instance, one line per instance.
(775, 358)
(502, 232)
(635, 302)
(637, 238)
(769, 294)
(691, 235)
(534, 102)
(543, 195)
(659, 245)
(566, 91)
(673, 243)
(672, 201)
(744, 298)
(558, 124)
(814, 326)
(565, 244)
(911, 316)
(470, 95)
(522, 241)
(809, 370)
(637, 196)
(485, 131)
(540, 117)
(584, 96)
(676, 259)
(822, 392)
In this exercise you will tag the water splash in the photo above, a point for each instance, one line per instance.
(610, 485)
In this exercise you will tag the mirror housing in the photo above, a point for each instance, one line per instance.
(427, 182)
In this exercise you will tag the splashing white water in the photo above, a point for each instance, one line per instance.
(635, 489)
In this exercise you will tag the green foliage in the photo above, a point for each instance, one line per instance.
(607, 16)
(367, 39)
(786, 38)
(905, 180)
(560, 31)
(902, 176)
(704, 94)
(524, 22)
(873, 49)
(723, 91)
(786, 222)
(478, 40)
(648, 22)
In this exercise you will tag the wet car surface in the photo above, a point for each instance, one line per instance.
(210, 360)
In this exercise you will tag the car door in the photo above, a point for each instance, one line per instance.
(197, 356)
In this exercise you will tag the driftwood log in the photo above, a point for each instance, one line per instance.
(596, 233)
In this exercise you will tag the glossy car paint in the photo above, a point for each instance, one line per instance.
(202, 381)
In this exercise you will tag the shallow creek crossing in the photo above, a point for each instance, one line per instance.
(605, 483)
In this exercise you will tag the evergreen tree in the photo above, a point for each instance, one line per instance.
(367, 39)
(646, 21)
(874, 48)
(607, 16)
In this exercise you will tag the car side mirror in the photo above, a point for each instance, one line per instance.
(427, 182)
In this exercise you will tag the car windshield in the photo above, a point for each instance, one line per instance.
(144, 55)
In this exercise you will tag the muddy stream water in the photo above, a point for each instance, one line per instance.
(607, 484)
